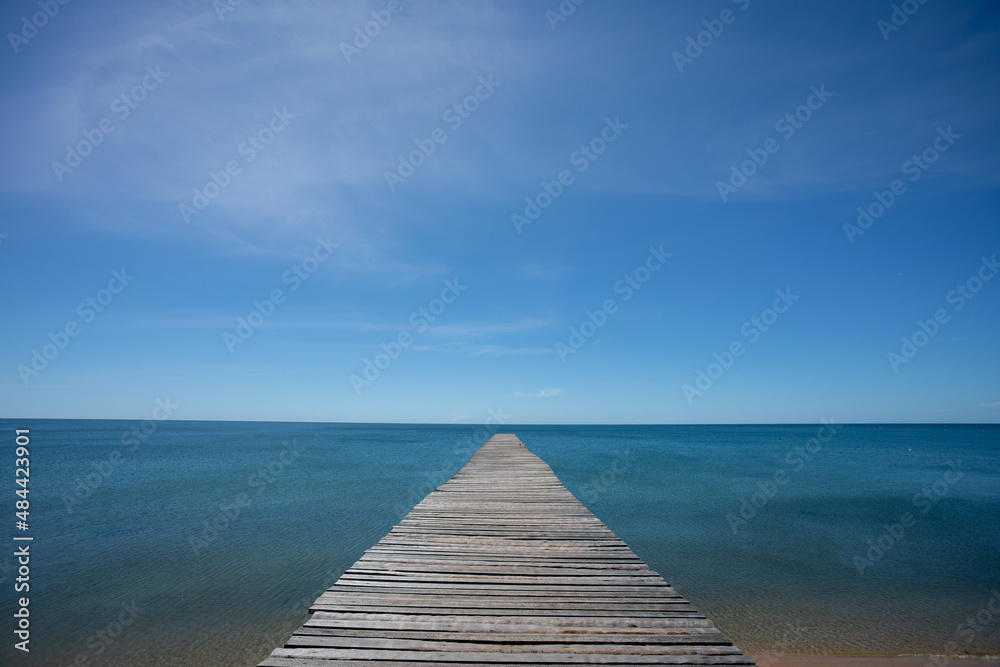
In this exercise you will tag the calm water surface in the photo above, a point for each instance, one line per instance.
(204, 543)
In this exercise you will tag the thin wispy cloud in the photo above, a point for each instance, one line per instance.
(474, 350)
(480, 329)
(541, 393)
(506, 351)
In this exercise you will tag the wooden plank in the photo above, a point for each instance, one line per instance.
(504, 623)
(502, 565)
(518, 637)
(584, 656)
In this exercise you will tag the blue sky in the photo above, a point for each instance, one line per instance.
(618, 123)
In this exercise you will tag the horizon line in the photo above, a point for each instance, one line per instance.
(472, 424)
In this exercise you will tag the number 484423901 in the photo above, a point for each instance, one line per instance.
(21, 476)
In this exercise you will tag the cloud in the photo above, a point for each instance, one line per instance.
(460, 419)
(464, 347)
(504, 350)
(457, 332)
(541, 393)
(995, 405)
(477, 329)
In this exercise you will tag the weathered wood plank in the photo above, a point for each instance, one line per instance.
(621, 656)
(502, 565)
(502, 623)
(517, 637)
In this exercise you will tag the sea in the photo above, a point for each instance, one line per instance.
(203, 543)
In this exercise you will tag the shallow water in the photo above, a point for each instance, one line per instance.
(206, 542)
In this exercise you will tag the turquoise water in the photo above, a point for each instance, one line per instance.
(204, 543)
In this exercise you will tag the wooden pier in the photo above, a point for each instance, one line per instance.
(501, 565)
